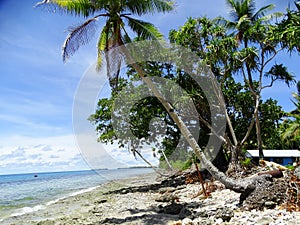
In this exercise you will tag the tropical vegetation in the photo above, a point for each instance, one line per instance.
(240, 53)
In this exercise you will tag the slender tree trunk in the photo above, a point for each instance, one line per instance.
(166, 159)
(146, 161)
(256, 104)
(235, 164)
(258, 129)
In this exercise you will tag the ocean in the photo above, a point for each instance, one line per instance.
(25, 193)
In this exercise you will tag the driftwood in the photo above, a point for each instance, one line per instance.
(274, 173)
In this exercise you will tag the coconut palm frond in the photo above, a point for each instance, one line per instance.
(103, 39)
(292, 132)
(126, 38)
(78, 36)
(74, 7)
(144, 30)
(43, 3)
(102, 46)
(114, 57)
(149, 6)
(271, 16)
(241, 8)
(261, 12)
(243, 19)
(226, 23)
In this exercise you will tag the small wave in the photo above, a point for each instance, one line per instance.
(83, 191)
(71, 195)
(26, 210)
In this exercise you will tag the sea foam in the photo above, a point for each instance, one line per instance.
(26, 210)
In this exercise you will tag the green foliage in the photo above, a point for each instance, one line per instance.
(210, 42)
(270, 118)
(290, 167)
(287, 32)
(280, 72)
(143, 111)
(246, 162)
(221, 49)
(291, 126)
(177, 164)
(217, 46)
(239, 106)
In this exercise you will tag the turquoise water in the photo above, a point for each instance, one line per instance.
(24, 193)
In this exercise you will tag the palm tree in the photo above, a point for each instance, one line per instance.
(118, 14)
(113, 35)
(244, 17)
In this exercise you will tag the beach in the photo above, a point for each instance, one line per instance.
(92, 206)
(145, 199)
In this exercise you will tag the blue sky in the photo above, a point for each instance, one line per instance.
(37, 88)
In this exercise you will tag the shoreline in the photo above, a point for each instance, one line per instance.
(51, 210)
(142, 200)
(24, 193)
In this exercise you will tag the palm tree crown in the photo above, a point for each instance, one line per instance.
(244, 15)
(118, 14)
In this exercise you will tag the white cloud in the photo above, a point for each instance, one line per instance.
(21, 154)
(39, 154)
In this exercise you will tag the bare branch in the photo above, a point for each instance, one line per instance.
(272, 57)
(271, 84)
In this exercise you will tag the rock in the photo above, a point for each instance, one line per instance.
(125, 191)
(173, 209)
(219, 221)
(187, 221)
(267, 191)
(167, 197)
(202, 213)
(265, 220)
(204, 221)
(173, 181)
(297, 172)
(224, 214)
(174, 223)
(270, 204)
(184, 212)
(166, 189)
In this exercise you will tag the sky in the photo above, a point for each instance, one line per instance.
(37, 90)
